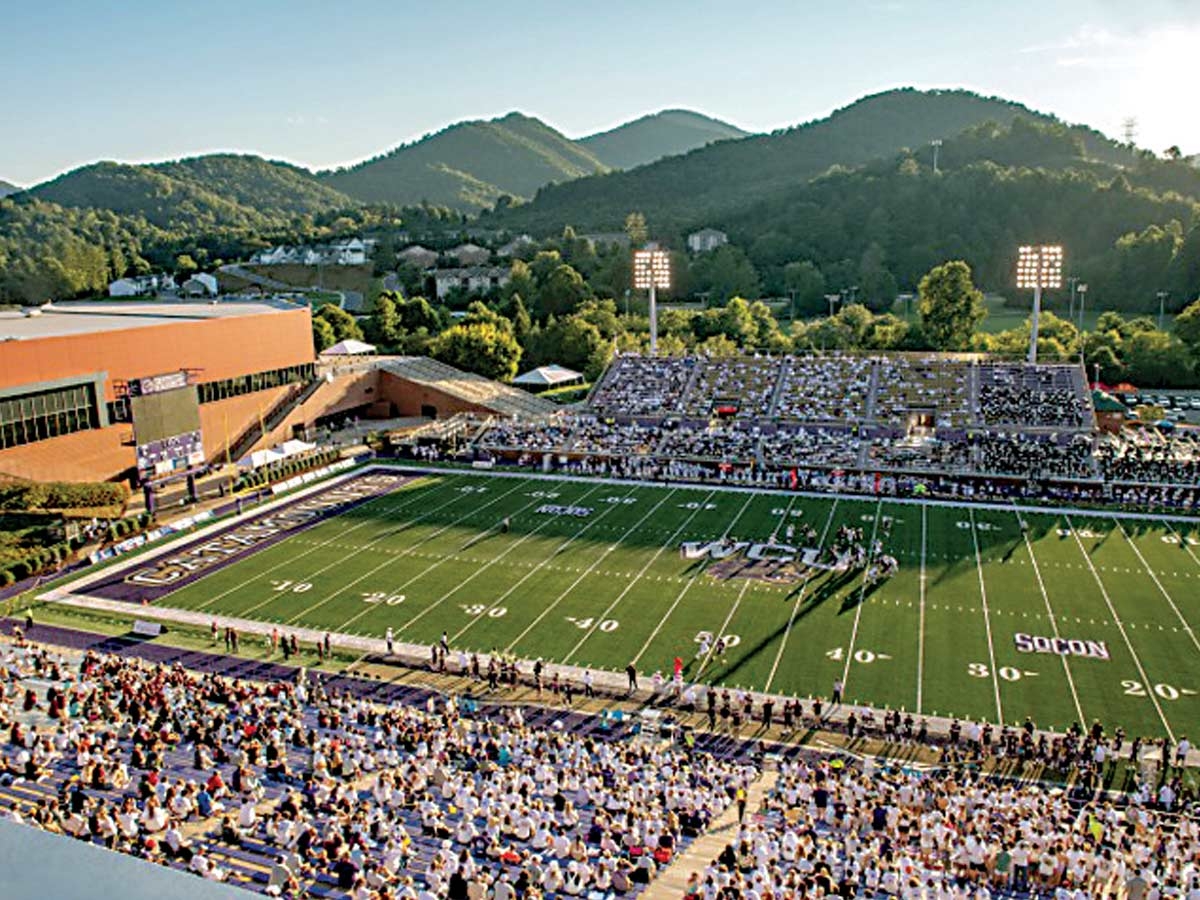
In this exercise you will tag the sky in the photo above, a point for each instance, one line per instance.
(323, 84)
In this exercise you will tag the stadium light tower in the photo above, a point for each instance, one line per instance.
(1038, 268)
(651, 271)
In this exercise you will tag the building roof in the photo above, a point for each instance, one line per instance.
(500, 398)
(87, 317)
(705, 232)
(548, 376)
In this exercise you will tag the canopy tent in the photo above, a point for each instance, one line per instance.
(548, 376)
(293, 447)
(349, 348)
(259, 458)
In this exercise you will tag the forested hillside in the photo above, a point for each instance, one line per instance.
(7, 188)
(711, 182)
(220, 190)
(650, 138)
(469, 166)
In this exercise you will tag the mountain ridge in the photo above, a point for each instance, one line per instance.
(668, 132)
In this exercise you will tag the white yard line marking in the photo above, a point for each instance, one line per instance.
(862, 596)
(799, 601)
(491, 562)
(586, 572)
(921, 619)
(1121, 627)
(987, 620)
(690, 582)
(1183, 543)
(416, 497)
(636, 578)
(737, 602)
(1162, 590)
(439, 560)
(1037, 570)
(389, 559)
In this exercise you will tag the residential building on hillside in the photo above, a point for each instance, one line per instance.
(470, 254)
(200, 285)
(706, 239)
(472, 279)
(345, 252)
(416, 255)
(142, 286)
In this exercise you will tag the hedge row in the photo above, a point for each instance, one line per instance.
(20, 496)
(54, 555)
(284, 469)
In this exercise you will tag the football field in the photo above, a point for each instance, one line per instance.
(993, 613)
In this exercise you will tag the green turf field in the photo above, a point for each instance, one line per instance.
(613, 586)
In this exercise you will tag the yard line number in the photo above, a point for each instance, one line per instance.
(478, 609)
(730, 640)
(1165, 691)
(1008, 673)
(383, 598)
(866, 657)
(295, 587)
(606, 625)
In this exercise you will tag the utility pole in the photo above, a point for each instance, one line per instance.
(1072, 281)
(1083, 288)
(1162, 299)
(936, 144)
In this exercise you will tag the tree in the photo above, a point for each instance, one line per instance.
(724, 273)
(806, 286)
(1187, 327)
(185, 265)
(635, 227)
(416, 314)
(1156, 360)
(384, 326)
(951, 306)
(479, 347)
(344, 326)
(738, 324)
(561, 292)
(876, 283)
(323, 336)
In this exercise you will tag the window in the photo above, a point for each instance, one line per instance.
(212, 391)
(39, 415)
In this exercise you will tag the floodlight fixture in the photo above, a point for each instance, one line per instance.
(651, 271)
(1038, 268)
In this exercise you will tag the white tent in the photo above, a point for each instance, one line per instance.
(260, 458)
(548, 377)
(292, 447)
(349, 348)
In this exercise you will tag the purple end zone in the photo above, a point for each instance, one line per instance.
(157, 574)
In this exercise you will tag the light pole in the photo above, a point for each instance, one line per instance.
(936, 144)
(1038, 268)
(833, 299)
(1082, 289)
(1072, 281)
(1162, 300)
(651, 271)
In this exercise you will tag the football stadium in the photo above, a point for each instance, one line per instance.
(601, 500)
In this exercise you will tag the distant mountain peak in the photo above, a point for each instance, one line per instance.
(7, 187)
(668, 132)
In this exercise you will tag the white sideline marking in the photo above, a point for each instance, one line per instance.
(921, 625)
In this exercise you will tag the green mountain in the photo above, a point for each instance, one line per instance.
(218, 190)
(708, 182)
(650, 138)
(469, 166)
(7, 188)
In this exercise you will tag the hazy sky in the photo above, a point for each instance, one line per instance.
(322, 83)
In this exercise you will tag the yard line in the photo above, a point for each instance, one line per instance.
(491, 562)
(987, 620)
(738, 602)
(291, 560)
(862, 597)
(1121, 627)
(799, 600)
(1162, 590)
(621, 540)
(1183, 542)
(390, 559)
(1037, 570)
(921, 620)
(447, 558)
(638, 577)
(690, 582)
(557, 550)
